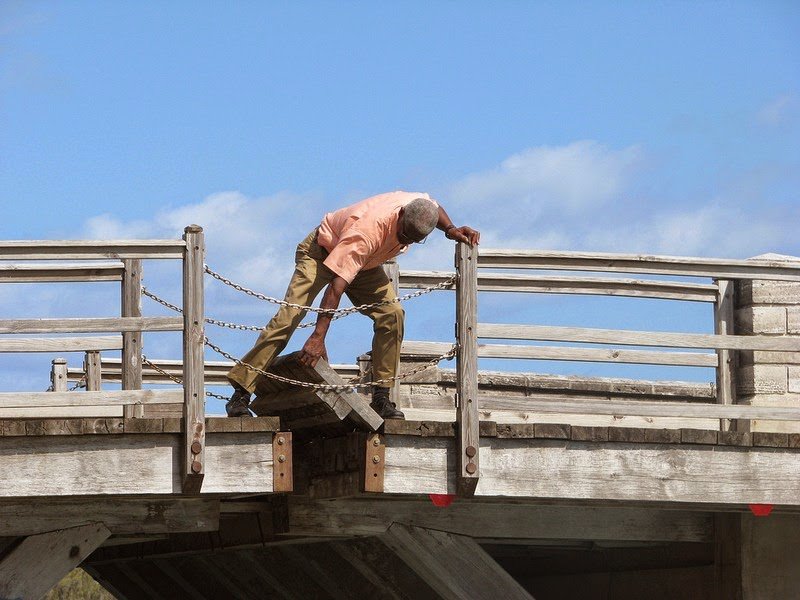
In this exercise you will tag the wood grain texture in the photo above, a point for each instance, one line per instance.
(546, 333)
(89, 250)
(41, 561)
(132, 344)
(607, 471)
(609, 355)
(467, 420)
(120, 515)
(63, 272)
(455, 566)
(651, 409)
(61, 344)
(193, 464)
(92, 325)
(131, 464)
(497, 519)
(101, 398)
(724, 316)
(780, 270)
(634, 288)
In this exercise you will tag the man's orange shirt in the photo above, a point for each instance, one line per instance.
(364, 235)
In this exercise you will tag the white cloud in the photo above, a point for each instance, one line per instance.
(569, 179)
(778, 111)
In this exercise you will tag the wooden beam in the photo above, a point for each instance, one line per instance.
(49, 273)
(648, 409)
(467, 420)
(600, 471)
(101, 398)
(61, 344)
(131, 307)
(547, 333)
(609, 355)
(782, 270)
(455, 566)
(127, 516)
(544, 284)
(724, 315)
(58, 375)
(41, 561)
(92, 371)
(96, 325)
(90, 465)
(89, 250)
(496, 519)
(193, 463)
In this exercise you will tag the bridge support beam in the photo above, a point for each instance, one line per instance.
(40, 561)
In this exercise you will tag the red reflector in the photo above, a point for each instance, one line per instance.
(761, 510)
(442, 500)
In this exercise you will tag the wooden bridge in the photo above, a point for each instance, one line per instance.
(498, 483)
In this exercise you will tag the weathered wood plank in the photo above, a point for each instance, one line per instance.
(609, 471)
(42, 560)
(101, 398)
(194, 398)
(649, 409)
(89, 250)
(120, 515)
(455, 566)
(93, 325)
(467, 420)
(634, 288)
(662, 339)
(781, 270)
(90, 465)
(58, 375)
(611, 355)
(131, 306)
(63, 412)
(50, 273)
(61, 344)
(93, 372)
(498, 520)
(724, 316)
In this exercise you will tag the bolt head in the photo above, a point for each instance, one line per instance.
(376, 459)
(197, 448)
(197, 466)
(470, 451)
(471, 468)
(281, 441)
(376, 441)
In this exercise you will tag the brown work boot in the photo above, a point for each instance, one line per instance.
(383, 406)
(237, 406)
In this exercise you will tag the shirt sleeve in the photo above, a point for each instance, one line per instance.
(350, 255)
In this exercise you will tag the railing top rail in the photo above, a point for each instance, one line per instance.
(89, 249)
(778, 268)
(60, 272)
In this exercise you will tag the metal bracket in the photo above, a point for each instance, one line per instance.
(375, 463)
(282, 479)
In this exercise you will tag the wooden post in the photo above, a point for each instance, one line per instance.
(132, 340)
(393, 272)
(58, 375)
(467, 430)
(193, 362)
(91, 367)
(724, 325)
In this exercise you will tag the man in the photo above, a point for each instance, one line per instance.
(346, 253)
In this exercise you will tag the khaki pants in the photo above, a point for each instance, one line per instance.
(310, 276)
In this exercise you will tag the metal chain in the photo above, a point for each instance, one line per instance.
(219, 323)
(334, 388)
(330, 311)
(155, 367)
(81, 384)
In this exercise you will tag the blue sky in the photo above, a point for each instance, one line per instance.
(659, 127)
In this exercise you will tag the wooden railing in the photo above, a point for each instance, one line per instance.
(659, 347)
(122, 262)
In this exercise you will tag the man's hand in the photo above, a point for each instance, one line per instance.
(464, 234)
(313, 350)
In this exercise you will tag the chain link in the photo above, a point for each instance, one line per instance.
(324, 387)
(330, 311)
(155, 367)
(81, 384)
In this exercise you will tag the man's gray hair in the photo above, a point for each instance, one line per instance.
(420, 216)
